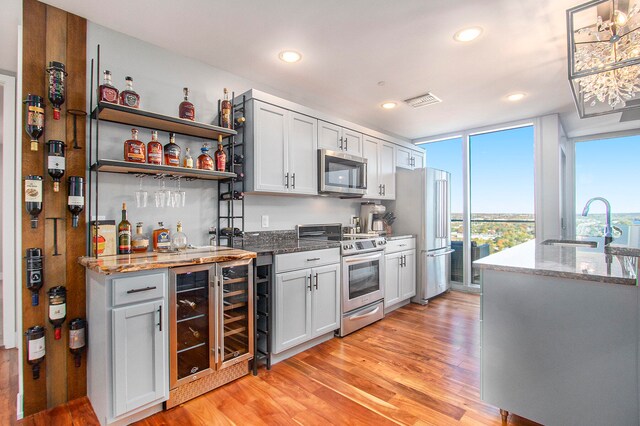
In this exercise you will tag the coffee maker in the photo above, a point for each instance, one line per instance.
(371, 217)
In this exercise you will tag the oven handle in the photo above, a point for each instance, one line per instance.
(356, 259)
(367, 314)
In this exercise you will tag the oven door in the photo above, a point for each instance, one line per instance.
(341, 174)
(362, 280)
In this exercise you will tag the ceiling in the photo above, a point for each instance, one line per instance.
(349, 46)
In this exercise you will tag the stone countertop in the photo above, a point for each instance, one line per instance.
(286, 246)
(116, 264)
(399, 237)
(623, 250)
(564, 262)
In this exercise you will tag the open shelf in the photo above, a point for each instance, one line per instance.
(154, 121)
(120, 166)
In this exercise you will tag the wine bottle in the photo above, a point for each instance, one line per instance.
(35, 273)
(75, 200)
(56, 162)
(33, 197)
(34, 118)
(231, 232)
(57, 89)
(57, 309)
(238, 159)
(232, 195)
(124, 233)
(239, 122)
(35, 349)
(77, 338)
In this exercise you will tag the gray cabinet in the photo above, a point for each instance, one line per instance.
(407, 158)
(408, 275)
(325, 309)
(392, 279)
(381, 168)
(336, 138)
(400, 282)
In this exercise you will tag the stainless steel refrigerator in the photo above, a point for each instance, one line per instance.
(422, 208)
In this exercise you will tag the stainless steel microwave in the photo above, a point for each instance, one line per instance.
(341, 174)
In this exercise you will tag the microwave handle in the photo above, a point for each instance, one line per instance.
(366, 175)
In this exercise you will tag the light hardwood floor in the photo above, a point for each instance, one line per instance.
(418, 366)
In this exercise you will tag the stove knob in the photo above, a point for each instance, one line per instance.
(346, 247)
(350, 246)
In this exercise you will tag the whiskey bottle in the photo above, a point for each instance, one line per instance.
(172, 152)
(161, 238)
(179, 239)
(232, 195)
(124, 233)
(139, 242)
(204, 162)
(221, 156)
(186, 109)
(107, 91)
(129, 97)
(33, 197)
(55, 162)
(135, 151)
(154, 150)
(187, 161)
(225, 111)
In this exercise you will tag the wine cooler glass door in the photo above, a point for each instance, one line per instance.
(235, 330)
(192, 334)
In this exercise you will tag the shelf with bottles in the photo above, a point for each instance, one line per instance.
(231, 331)
(120, 166)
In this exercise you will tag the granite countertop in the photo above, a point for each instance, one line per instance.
(591, 264)
(399, 237)
(145, 261)
(623, 250)
(286, 246)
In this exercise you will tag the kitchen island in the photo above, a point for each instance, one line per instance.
(559, 334)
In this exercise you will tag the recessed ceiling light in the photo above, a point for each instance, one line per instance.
(467, 34)
(290, 56)
(389, 105)
(514, 97)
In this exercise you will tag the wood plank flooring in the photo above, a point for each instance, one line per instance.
(418, 366)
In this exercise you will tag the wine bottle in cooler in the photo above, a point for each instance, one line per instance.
(75, 200)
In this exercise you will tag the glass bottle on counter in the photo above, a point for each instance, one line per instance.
(179, 239)
(129, 97)
(186, 109)
(221, 156)
(154, 150)
(187, 161)
(124, 233)
(225, 111)
(172, 152)
(107, 92)
(140, 241)
(135, 151)
(161, 238)
(205, 162)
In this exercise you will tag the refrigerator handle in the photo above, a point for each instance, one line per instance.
(438, 254)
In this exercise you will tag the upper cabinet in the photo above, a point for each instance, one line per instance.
(407, 158)
(381, 168)
(282, 150)
(338, 138)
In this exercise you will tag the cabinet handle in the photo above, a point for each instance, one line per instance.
(313, 259)
(341, 144)
(346, 144)
(384, 189)
(138, 290)
(309, 286)
(402, 245)
(316, 285)
(380, 189)
(293, 179)
(286, 182)
(160, 317)
(404, 260)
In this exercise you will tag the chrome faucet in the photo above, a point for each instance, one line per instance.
(608, 229)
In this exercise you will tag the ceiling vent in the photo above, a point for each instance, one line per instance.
(423, 100)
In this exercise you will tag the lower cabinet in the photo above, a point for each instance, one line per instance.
(400, 279)
(307, 305)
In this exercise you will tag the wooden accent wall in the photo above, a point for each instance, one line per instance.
(51, 34)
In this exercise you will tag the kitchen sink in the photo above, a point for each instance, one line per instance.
(571, 243)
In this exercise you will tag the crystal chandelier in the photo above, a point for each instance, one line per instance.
(604, 56)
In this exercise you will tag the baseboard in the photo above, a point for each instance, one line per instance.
(389, 309)
(276, 358)
(466, 288)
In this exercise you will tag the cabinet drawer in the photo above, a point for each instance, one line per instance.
(401, 245)
(306, 259)
(138, 288)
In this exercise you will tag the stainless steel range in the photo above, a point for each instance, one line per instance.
(362, 274)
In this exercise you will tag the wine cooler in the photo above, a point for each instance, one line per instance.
(211, 335)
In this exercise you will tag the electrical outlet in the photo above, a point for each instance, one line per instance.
(265, 221)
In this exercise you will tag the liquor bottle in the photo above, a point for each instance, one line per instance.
(172, 152)
(75, 200)
(239, 122)
(179, 239)
(221, 156)
(77, 338)
(34, 118)
(57, 90)
(35, 273)
(33, 197)
(225, 111)
(35, 349)
(161, 238)
(129, 97)
(213, 235)
(231, 232)
(56, 162)
(139, 242)
(238, 159)
(124, 233)
(57, 309)
(232, 195)
(135, 151)
(204, 162)
(186, 109)
(154, 150)
(107, 92)
(187, 161)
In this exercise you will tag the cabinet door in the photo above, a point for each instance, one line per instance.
(352, 142)
(371, 153)
(329, 136)
(303, 154)
(392, 279)
(270, 147)
(387, 170)
(418, 159)
(408, 275)
(293, 309)
(139, 356)
(325, 300)
(403, 157)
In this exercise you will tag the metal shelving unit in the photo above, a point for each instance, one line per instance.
(263, 320)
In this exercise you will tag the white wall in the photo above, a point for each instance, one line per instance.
(159, 76)
(10, 18)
